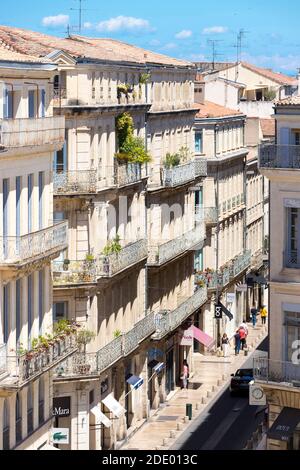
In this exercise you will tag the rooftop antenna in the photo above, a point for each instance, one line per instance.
(213, 43)
(80, 10)
(239, 45)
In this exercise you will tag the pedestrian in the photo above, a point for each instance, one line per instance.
(237, 342)
(254, 315)
(243, 336)
(225, 344)
(263, 314)
(185, 374)
(244, 325)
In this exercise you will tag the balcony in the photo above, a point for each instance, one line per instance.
(240, 263)
(131, 254)
(283, 373)
(3, 360)
(162, 252)
(286, 157)
(32, 132)
(181, 174)
(75, 182)
(168, 320)
(82, 365)
(210, 215)
(128, 173)
(17, 251)
(73, 273)
(21, 369)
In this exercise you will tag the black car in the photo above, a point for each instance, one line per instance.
(240, 381)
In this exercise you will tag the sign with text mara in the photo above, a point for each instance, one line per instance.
(61, 406)
(60, 435)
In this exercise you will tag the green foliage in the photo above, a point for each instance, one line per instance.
(124, 88)
(144, 78)
(21, 350)
(89, 257)
(124, 126)
(84, 337)
(117, 333)
(131, 149)
(112, 246)
(270, 94)
(172, 159)
(184, 153)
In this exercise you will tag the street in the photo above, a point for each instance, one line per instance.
(226, 425)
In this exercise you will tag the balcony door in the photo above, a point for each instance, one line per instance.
(292, 258)
(8, 104)
(83, 140)
(31, 104)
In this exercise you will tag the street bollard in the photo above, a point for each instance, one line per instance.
(188, 410)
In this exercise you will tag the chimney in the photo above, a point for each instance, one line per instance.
(199, 90)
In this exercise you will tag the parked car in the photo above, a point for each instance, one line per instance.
(240, 381)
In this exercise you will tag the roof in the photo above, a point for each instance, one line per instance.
(268, 127)
(215, 67)
(213, 110)
(7, 55)
(290, 101)
(40, 45)
(277, 77)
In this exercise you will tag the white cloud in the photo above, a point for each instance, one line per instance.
(287, 63)
(154, 42)
(87, 25)
(54, 21)
(197, 57)
(170, 45)
(124, 23)
(184, 34)
(215, 30)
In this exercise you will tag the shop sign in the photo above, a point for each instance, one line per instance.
(60, 435)
(187, 338)
(61, 406)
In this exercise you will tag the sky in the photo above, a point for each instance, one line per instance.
(182, 29)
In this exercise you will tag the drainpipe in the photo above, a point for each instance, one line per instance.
(217, 227)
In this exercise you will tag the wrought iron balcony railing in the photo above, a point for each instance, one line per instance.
(240, 263)
(291, 259)
(19, 250)
(128, 173)
(285, 373)
(75, 182)
(181, 174)
(23, 368)
(133, 253)
(74, 272)
(86, 364)
(279, 156)
(210, 215)
(168, 320)
(31, 132)
(3, 360)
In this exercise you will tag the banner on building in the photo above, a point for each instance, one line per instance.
(187, 338)
(61, 406)
(60, 435)
(219, 309)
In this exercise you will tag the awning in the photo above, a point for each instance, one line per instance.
(202, 337)
(48, 447)
(285, 424)
(159, 367)
(101, 416)
(135, 381)
(113, 405)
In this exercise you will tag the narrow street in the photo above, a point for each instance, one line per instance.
(226, 425)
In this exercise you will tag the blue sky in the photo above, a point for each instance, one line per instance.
(176, 28)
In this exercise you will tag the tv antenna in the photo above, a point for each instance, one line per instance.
(80, 10)
(213, 43)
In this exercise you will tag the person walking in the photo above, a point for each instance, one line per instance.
(263, 314)
(254, 315)
(237, 342)
(225, 344)
(243, 336)
(185, 374)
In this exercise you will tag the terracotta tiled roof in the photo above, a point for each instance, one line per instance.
(213, 110)
(7, 55)
(290, 101)
(268, 127)
(275, 76)
(34, 43)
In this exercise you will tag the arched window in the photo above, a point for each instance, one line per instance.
(29, 409)
(41, 400)
(18, 418)
(5, 425)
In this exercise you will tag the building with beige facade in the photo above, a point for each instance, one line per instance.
(30, 239)
(127, 275)
(279, 375)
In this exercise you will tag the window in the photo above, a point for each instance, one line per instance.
(296, 135)
(91, 397)
(41, 190)
(293, 239)
(292, 333)
(30, 197)
(199, 141)
(8, 104)
(30, 306)
(60, 310)
(18, 208)
(5, 209)
(5, 428)
(41, 300)
(198, 265)
(5, 313)
(18, 419)
(31, 113)
(30, 409)
(43, 103)
(41, 400)
(60, 159)
(18, 311)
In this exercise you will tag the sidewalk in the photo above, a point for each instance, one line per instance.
(210, 379)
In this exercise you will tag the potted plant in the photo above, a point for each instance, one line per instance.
(172, 160)
(117, 333)
(84, 337)
(89, 257)
(66, 263)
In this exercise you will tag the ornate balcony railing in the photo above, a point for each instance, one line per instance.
(210, 215)
(18, 250)
(268, 370)
(279, 156)
(141, 330)
(109, 265)
(183, 173)
(75, 182)
(167, 320)
(23, 368)
(73, 272)
(162, 252)
(87, 364)
(128, 173)
(32, 132)
(240, 263)
(3, 362)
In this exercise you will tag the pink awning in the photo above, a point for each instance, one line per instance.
(203, 338)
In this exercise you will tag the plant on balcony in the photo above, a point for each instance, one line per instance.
(117, 333)
(66, 263)
(21, 350)
(131, 149)
(143, 80)
(84, 337)
(270, 94)
(89, 257)
(112, 246)
(184, 154)
(200, 283)
(125, 89)
(172, 160)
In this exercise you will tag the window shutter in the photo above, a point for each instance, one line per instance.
(284, 136)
